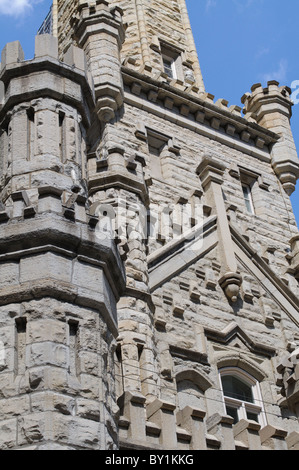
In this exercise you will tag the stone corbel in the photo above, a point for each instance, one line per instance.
(288, 174)
(230, 283)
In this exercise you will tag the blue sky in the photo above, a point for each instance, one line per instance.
(239, 43)
(243, 42)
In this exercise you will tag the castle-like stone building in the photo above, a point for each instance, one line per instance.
(149, 255)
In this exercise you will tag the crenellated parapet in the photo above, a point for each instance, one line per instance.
(271, 107)
(46, 113)
(161, 425)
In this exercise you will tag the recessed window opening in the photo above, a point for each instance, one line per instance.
(156, 144)
(247, 193)
(241, 396)
(169, 67)
(172, 61)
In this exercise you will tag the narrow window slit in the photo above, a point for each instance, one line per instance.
(21, 328)
(74, 347)
(30, 132)
(61, 121)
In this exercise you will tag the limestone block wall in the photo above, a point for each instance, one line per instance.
(59, 282)
(197, 331)
(152, 29)
(116, 338)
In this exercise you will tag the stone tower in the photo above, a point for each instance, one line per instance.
(163, 309)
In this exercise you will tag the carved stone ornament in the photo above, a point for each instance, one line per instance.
(231, 283)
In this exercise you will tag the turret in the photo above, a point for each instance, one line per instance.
(60, 281)
(271, 107)
(99, 31)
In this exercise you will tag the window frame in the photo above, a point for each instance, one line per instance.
(247, 191)
(172, 63)
(174, 56)
(243, 407)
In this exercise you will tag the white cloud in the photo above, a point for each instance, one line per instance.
(280, 74)
(16, 7)
(210, 4)
(262, 51)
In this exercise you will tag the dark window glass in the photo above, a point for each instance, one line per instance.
(252, 416)
(168, 67)
(233, 412)
(235, 388)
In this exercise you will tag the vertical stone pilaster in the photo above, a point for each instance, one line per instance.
(222, 428)
(211, 175)
(274, 438)
(132, 408)
(248, 433)
(162, 414)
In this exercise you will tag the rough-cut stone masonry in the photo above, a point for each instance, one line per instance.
(149, 253)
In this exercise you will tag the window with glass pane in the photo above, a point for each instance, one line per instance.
(241, 395)
(168, 67)
(248, 198)
(235, 388)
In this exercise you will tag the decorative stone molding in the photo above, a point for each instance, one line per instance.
(231, 283)
(288, 371)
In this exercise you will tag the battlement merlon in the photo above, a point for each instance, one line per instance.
(271, 108)
(73, 69)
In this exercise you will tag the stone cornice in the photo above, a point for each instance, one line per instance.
(55, 234)
(60, 70)
(185, 104)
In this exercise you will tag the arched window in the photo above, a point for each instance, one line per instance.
(241, 395)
